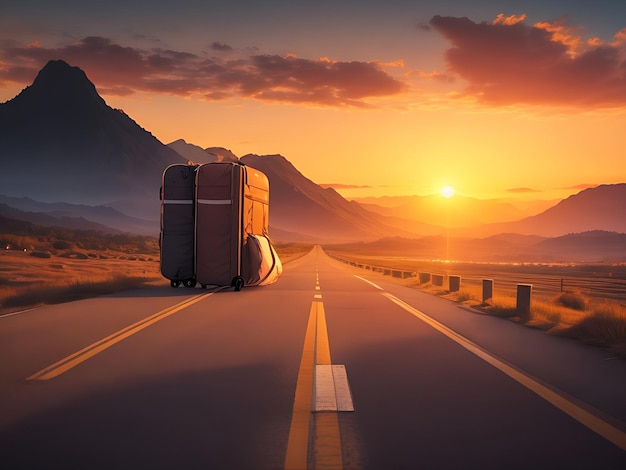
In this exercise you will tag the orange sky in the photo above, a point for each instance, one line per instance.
(523, 103)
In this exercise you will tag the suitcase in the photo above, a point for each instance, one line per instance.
(231, 227)
(176, 239)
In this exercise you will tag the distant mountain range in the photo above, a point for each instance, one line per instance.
(586, 247)
(67, 158)
(79, 216)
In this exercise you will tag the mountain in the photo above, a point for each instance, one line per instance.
(197, 154)
(222, 154)
(191, 152)
(599, 208)
(300, 206)
(60, 141)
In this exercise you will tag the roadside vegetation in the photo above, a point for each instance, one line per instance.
(592, 320)
(48, 265)
(291, 251)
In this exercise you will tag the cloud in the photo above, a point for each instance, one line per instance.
(123, 70)
(219, 46)
(508, 20)
(522, 190)
(509, 62)
(582, 186)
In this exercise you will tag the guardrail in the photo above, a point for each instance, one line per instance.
(523, 285)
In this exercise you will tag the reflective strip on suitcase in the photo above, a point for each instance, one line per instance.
(215, 201)
(178, 201)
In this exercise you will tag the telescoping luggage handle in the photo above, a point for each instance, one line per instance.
(215, 202)
(178, 201)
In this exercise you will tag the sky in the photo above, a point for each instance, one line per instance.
(497, 99)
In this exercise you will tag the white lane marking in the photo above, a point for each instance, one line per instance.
(332, 392)
(317, 296)
(325, 399)
(551, 395)
(18, 313)
(342, 389)
(369, 282)
(79, 357)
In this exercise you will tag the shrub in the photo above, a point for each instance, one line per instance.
(605, 326)
(464, 296)
(61, 245)
(504, 307)
(572, 299)
(74, 255)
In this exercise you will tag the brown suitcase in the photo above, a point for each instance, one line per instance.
(232, 203)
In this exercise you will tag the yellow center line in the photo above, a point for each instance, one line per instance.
(327, 435)
(325, 426)
(585, 417)
(322, 348)
(76, 358)
(298, 443)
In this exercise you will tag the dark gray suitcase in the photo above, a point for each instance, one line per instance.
(177, 257)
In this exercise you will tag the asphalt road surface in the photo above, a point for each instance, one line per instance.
(327, 368)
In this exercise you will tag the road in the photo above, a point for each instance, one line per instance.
(327, 368)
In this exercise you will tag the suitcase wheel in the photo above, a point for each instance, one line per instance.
(174, 283)
(190, 283)
(237, 283)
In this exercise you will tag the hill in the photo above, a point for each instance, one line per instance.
(62, 214)
(587, 247)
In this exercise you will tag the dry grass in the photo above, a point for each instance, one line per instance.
(604, 325)
(601, 323)
(290, 251)
(571, 299)
(29, 281)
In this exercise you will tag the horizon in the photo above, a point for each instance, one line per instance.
(391, 99)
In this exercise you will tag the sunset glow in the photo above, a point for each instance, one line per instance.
(524, 100)
(447, 192)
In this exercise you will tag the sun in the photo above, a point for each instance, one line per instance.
(447, 191)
